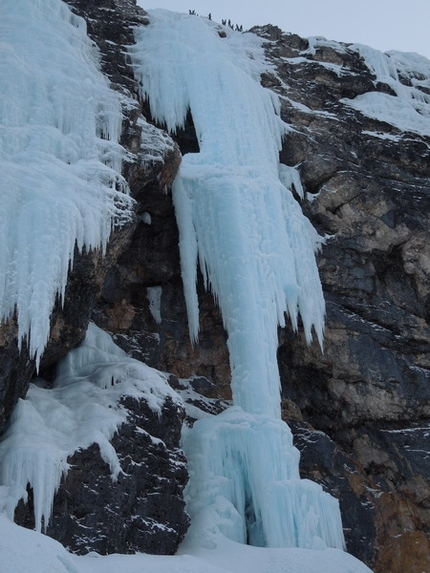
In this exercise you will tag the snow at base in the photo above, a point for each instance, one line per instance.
(25, 551)
(81, 409)
(60, 160)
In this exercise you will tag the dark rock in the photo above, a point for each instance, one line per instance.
(371, 198)
(143, 509)
(16, 369)
(376, 518)
(323, 461)
(110, 24)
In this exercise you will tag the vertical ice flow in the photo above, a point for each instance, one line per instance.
(240, 224)
(60, 160)
(236, 218)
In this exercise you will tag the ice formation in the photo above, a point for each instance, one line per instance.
(245, 482)
(59, 158)
(239, 222)
(235, 215)
(81, 409)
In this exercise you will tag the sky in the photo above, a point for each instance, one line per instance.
(383, 24)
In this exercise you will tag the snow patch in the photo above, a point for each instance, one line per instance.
(155, 144)
(408, 75)
(380, 135)
(24, 551)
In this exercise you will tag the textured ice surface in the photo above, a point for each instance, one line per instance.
(239, 222)
(235, 210)
(60, 161)
(81, 409)
(245, 482)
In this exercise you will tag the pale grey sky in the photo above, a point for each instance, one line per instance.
(383, 24)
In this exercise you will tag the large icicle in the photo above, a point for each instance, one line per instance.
(239, 221)
(60, 160)
(254, 246)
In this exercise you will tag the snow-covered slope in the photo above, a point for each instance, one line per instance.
(25, 551)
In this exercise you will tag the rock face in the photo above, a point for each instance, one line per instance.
(370, 389)
(360, 411)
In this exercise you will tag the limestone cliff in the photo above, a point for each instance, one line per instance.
(360, 410)
(369, 188)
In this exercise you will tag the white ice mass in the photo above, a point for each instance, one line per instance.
(60, 160)
(239, 221)
(61, 188)
(236, 217)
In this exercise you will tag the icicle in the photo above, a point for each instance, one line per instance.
(59, 158)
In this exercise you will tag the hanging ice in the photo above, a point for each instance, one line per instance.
(81, 409)
(254, 246)
(60, 160)
(241, 224)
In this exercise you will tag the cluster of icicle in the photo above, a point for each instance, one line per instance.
(240, 224)
(60, 160)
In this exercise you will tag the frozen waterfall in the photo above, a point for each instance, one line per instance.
(240, 224)
(236, 218)
(60, 159)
